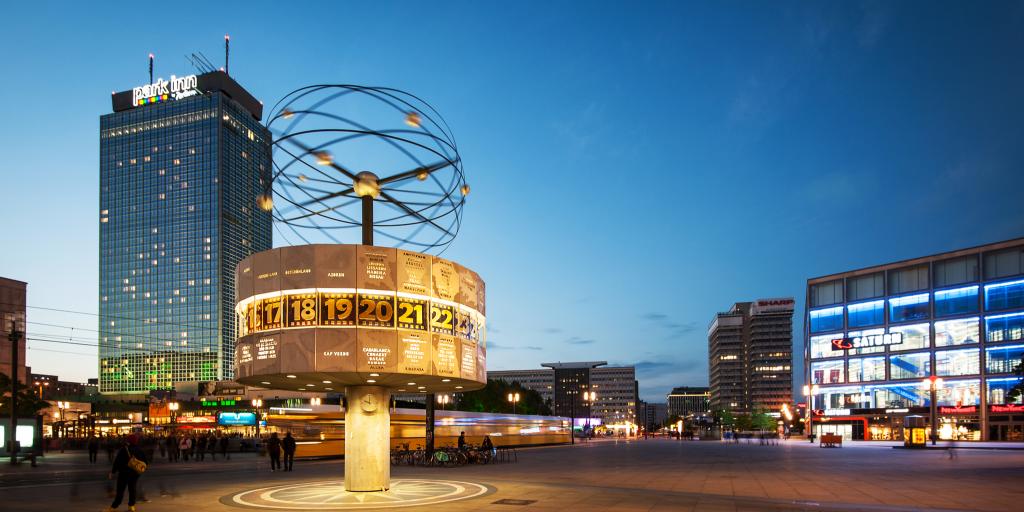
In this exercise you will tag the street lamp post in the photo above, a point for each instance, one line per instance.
(933, 384)
(257, 403)
(513, 398)
(809, 392)
(173, 407)
(315, 401)
(62, 405)
(588, 398)
(443, 400)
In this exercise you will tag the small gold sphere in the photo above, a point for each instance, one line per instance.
(412, 119)
(265, 202)
(465, 189)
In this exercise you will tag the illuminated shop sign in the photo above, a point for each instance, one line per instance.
(1007, 408)
(236, 418)
(162, 90)
(196, 419)
(873, 340)
(837, 412)
(973, 409)
(215, 403)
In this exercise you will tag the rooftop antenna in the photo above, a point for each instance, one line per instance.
(199, 62)
(151, 69)
(227, 53)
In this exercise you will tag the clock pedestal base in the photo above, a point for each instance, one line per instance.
(367, 438)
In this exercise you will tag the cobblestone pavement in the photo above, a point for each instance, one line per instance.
(644, 475)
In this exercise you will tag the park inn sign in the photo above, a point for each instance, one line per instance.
(162, 90)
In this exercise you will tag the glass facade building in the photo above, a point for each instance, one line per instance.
(179, 180)
(873, 335)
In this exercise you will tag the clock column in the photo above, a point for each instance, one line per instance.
(367, 438)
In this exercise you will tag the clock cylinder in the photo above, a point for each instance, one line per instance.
(367, 438)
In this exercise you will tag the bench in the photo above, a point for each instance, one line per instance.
(831, 441)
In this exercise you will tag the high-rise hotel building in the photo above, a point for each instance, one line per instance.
(181, 165)
(750, 357)
(874, 335)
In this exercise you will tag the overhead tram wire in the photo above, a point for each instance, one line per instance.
(116, 317)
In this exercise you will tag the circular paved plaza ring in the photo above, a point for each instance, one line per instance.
(331, 495)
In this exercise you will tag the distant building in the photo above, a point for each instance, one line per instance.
(564, 384)
(654, 415)
(12, 309)
(750, 356)
(50, 387)
(685, 401)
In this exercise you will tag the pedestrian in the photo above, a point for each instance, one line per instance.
(172, 447)
(200, 448)
(288, 445)
(274, 451)
(129, 464)
(94, 448)
(462, 441)
(211, 446)
(185, 446)
(224, 447)
(109, 446)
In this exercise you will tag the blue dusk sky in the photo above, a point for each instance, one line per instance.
(635, 166)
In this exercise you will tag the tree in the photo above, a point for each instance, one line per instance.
(724, 418)
(1017, 390)
(744, 422)
(494, 398)
(762, 421)
(29, 404)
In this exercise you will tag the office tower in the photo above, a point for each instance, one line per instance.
(181, 165)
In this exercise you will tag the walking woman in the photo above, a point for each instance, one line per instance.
(129, 464)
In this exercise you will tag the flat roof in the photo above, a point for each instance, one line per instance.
(581, 364)
(207, 82)
(922, 259)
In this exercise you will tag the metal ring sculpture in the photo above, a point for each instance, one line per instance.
(414, 170)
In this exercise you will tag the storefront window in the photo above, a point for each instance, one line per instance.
(865, 350)
(1003, 359)
(959, 393)
(957, 362)
(1004, 327)
(829, 319)
(999, 391)
(865, 314)
(821, 346)
(893, 395)
(864, 369)
(958, 301)
(914, 337)
(1004, 295)
(827, 372)
(908, 308)
(910, 366)
(956, 332)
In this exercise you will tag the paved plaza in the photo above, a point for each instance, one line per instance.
(649, 475)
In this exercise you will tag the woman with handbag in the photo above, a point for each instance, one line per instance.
(129, 464)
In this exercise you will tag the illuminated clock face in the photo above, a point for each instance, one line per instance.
(369, 402)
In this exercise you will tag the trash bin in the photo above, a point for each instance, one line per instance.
(914, 431)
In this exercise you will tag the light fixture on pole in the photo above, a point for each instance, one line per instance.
(588, 398)
(315, 401)
(933, 384)
(443, 400)
(257, 403)
(173, 407)
(513, 399)
(809, 392)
